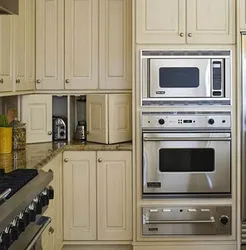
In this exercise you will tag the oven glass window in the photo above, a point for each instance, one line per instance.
(186, 160)
(179, 77)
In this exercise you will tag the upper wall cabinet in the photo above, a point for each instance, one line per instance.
(185, 21)
(97, 49)
(242, 7)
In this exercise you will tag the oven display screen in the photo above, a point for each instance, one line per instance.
(186, 160)
(179, 77)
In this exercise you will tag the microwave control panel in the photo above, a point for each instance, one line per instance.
(176, 120)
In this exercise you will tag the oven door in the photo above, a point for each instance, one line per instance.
(187, 164)
(180, 77)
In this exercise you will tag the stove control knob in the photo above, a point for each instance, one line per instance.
(62, 133)
(14, 233)
(161, 121)
(224, 219)
(211, 121)
(6, 240)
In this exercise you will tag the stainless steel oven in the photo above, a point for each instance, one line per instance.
(186, 74)
(186, 155)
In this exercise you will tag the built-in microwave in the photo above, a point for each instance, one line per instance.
(186, 74)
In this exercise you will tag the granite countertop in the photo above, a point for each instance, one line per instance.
(39, 154)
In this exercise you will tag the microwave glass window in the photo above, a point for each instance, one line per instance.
(181, 77)
(186, 160)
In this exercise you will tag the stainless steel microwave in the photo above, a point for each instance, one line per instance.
(186, 74)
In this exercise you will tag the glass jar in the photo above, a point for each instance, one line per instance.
(19, 134)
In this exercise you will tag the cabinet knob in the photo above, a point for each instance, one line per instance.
(66, 160)
(67, 81)
(38, 81)
(49, 133)
(17, 81)
(100, 160)
(51, 230)
(189, 34)
(1, 80)
(181, 34)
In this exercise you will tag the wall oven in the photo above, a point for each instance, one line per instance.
(186, 154)
(186, 74)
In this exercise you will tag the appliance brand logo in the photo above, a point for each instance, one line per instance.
(160, 92)
(153, 184)
(153, 229)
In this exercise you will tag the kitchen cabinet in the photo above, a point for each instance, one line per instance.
(17, 49)
(109, 118)
(185, 21)
(53, 236)
(97, 195)
(95, 33)
(49, 44)
(242, 13)
(6, 53)
(36, 112)
(188, 247)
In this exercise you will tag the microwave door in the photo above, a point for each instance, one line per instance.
(180, 77)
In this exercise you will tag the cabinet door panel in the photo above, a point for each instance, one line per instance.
(160, 21)
(21, 23)
(114, 189)
(49, 44)
(81, 44)
(97, 118)
(120, 118)
(6, 53)
(218, 28)
(36, 112)
(79, 183)
(115, 44)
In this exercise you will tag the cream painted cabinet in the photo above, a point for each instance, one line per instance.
(242, 13)
(109, 118)
(6, 52)
(79, 182)
(185, 21)
(36, 112)
(97, 195)
(49, 44)
(114, 194)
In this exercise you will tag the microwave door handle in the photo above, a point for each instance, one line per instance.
(187, 139)
(211, 220)
(144, 169)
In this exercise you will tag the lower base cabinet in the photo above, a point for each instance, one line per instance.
(97, 195)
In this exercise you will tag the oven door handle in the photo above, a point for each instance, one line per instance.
(38, 234)
(212, 220)
(186, 139)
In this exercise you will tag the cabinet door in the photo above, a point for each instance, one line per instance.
(211, 22)
(120, 118)
(242, 20)
(49, 44)
(81, 44)
(160, 21)
(31, 44)
(49, 236)
(36, 112)
(21, 35)
(79, 189)
(97, 118)
(6, 53)
(114, 202)
(115, 44)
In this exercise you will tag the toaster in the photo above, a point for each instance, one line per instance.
(59, 125)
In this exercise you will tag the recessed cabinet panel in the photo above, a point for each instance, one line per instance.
(114, 196)
(79, 195)
(160, 21)
(97, 118)
(115, 44)
(210, 21)
(36, 112)
(120, 118)
(21, 38)
(81, 44)
(6, 53)
(49, 44)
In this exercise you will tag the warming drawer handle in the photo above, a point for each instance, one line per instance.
(39, 233)
(212, 220)
(187, 139)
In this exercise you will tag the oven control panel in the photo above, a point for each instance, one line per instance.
(187, 120)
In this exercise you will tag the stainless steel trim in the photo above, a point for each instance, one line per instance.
(5, 194)
(212, 220)
(41, 230)
(19, 201)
